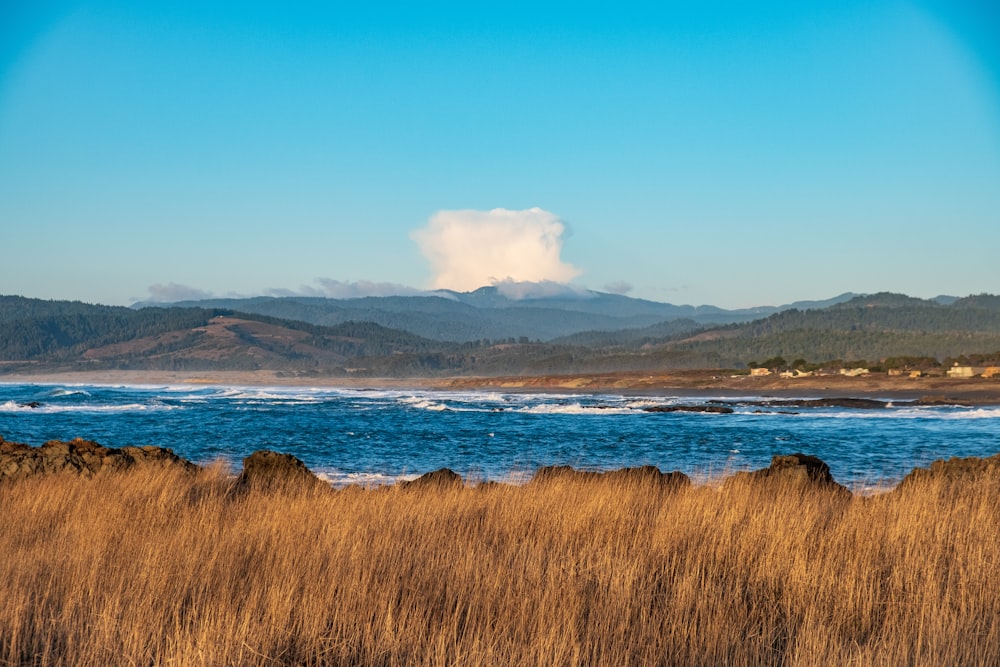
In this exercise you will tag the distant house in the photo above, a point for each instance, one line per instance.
(854, 372)
(991, 372)
(797, 373)
(957, 371)
(759, 372)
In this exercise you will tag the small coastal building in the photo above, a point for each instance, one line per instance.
(759, 372)
(957, 371)
(991, 372)
(854, 372)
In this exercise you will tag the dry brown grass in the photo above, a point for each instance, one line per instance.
(158, 568)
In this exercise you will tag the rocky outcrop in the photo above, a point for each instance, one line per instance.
(641, 476)
(714, 409)
(647, 475)
(800, 470)
(547, 474)
(267, 470)
(953, 470)
(843, 402)
(442, 479)
(851, 403)
(80, 457)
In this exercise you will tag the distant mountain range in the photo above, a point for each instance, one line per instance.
(487, 333)
(488, 314)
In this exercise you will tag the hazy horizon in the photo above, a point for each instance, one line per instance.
(514, 291)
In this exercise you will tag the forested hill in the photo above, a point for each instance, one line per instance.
(64, 335)
(489, 313)
(448, 318)
(33, 328)
(74, 335)
(886, 312)
(870, 328)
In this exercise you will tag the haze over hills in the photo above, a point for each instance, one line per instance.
(490, 313)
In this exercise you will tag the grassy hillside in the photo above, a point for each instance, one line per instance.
(73, 335)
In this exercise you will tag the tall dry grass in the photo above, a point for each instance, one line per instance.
(157, 568)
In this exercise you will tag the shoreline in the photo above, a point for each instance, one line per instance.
(706, 383)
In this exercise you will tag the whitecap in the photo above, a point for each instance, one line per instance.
(13, 406)
(422, 403)
(341, 479)
(644, 403)
(571, 409)
(60, 392)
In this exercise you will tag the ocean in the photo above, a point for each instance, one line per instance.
(375, 437)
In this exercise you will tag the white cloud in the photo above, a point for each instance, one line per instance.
(469, 249)
(544, 289)
(172, 292)
(340, 289)
(618, 287)
(305, 290)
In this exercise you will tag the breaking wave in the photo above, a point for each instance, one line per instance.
(340, 479)
(16, 406)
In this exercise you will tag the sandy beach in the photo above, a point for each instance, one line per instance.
(978, 391)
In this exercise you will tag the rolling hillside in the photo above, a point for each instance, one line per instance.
(487, 313)
(36, 334)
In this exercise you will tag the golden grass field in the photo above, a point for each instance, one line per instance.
(166, 568)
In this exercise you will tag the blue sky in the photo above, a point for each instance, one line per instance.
(728, 153)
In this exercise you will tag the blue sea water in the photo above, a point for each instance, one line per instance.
(381, 436)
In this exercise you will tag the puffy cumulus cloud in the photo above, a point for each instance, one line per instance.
(618, 287)
(469, 249)
(172, 292)
(340, 289)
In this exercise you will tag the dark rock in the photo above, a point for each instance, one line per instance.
(935, 401)
(443, 478)
(493, 485)
(81, 457)
(795, 469)
(31, 404)
(647, 475)
(953, 470)
(852, 403)
(272, 471)
(845, 402)
(553, 473)
(650, 476)
(715, 409)
(151, 455)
